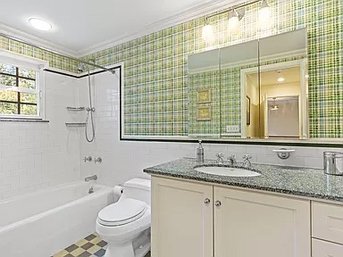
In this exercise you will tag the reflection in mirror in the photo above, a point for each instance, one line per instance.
(204, 94)
(256, 89)
(233, 60)
(283, 112)
(278, 100)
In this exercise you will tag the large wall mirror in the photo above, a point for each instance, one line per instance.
(253, 90)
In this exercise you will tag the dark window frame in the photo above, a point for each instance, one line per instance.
(19, 102)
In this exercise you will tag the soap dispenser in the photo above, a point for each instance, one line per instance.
(200, 153)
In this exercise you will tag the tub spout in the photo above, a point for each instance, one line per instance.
(94, 177)
(91, 179)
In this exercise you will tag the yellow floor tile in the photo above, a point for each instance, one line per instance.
(94, 249)
(61, 254)
(81, 242)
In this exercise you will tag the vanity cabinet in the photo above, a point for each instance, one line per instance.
(182, 215)
(191, 219)
(326, 249)
(250, 224)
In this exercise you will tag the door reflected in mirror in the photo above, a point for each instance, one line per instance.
(278, 107)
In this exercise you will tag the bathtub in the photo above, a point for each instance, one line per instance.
(42, 223)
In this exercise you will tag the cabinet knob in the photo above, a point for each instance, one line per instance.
(207, 201)
(218, 203)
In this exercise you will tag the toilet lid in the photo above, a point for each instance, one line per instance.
(122, 212)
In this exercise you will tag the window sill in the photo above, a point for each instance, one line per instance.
(22, 120)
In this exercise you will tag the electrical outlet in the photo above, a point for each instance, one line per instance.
(232, 129)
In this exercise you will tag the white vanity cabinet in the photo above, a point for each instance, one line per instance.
(191, 219)
(327, 230)
(248, 224)
(182, 215)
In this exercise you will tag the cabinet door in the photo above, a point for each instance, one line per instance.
(249, 224)
(182, 223)
(326, 249)
(327, 222)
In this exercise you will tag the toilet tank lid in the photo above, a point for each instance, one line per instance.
(140, 183)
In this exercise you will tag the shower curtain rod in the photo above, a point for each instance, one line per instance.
(55, 52)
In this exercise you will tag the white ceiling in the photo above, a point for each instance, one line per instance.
(83, 26)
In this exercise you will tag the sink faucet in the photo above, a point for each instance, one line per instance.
(220, 158)
(246, 161)
(232, 160)
(93, 179)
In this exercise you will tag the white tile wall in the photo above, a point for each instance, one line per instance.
(123, 159)
(36, 155)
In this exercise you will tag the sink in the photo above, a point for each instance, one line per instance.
(227, 171)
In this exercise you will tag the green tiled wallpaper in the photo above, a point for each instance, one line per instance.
(156, 93)
(156, 88)
(55, 60)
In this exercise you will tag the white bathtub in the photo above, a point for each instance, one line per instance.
(41, 223)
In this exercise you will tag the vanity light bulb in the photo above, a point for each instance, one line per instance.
(264, 14)
(208, 34)
(234, 24)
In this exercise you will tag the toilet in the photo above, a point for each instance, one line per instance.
(125, 225)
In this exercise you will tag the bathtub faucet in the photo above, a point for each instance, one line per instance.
(94, 177)
(91, 178)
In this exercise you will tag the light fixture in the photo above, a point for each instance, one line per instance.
(264, 14)
(207, 33)
(280, 78)
(40, 24)
(234, 18)
(274, 107)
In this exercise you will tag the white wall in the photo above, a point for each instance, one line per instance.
(36, 155)
(126, 159)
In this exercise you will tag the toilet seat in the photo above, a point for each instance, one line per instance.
(122, 212)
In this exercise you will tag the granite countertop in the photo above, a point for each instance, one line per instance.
(306, 182)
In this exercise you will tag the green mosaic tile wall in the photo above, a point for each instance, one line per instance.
(156, 91)
(55, 61)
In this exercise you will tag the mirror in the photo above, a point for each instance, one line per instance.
(256, 89)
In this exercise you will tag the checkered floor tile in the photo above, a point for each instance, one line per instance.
(90, 246)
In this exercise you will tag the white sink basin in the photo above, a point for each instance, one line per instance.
(227, 171)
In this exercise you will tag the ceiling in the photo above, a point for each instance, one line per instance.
(268, 78)
(84, 26)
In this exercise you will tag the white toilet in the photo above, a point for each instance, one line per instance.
(125, 225)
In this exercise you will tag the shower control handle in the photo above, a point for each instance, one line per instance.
(87, 159)
(97, 159)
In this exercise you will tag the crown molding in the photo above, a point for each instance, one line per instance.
(36, 40)
(192, 13)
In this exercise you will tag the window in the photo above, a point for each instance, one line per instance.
(20, 90)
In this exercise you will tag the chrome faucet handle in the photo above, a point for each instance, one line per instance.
(232, 159)
(220, 158)
(97, 159)
(246, 160)
(87, 159)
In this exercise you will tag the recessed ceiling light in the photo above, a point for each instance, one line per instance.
(280, 79)
(40, 24)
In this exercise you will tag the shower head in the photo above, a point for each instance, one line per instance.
(81, 67)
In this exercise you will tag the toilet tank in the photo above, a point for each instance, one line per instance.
(138, 188)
